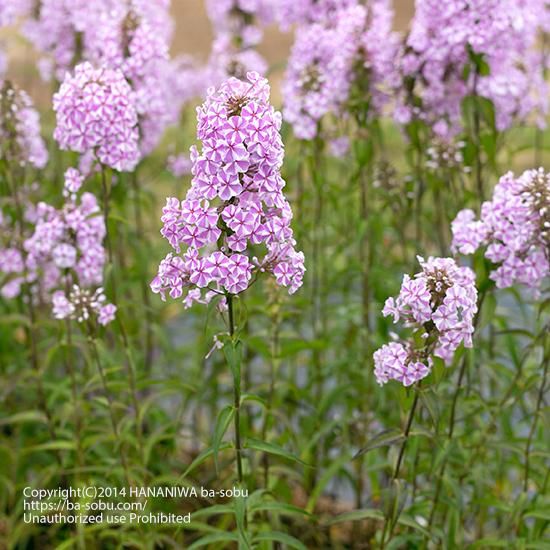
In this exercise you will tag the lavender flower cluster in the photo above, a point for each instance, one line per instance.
(238, 29)
(329, 54)
(132, 37)
(302, 12)
(96, 115)
(20, 128)
(235, 201)
(439, 303)
(437, 55)
(514, 227)
(82, 305)
(65, 250)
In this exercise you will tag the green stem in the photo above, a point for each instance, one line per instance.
(236, 393)
(397, 468)
(477, 139)
(106, 187)
(31, 330)
(129, 362)
(144, 286)
(273, 368)
(546, 361)
(452, 419)
(74, 395)
(114, 425)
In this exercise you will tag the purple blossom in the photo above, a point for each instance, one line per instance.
(73, 182)
(83, 305)
(514, 227)
(95, 111)
(439, 304)
(179, 165)
(238, 30)
(69, 238)
(132, 37)
(325, 59)
(235, 202)
(21, 126)
(436, 55)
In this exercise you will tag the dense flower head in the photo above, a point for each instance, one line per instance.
(238, 29)
(235, 201)
(61, 31)
(96, 113)
(73, 182)
(289, 12)
(69, 238)
(82, 304)
(20, 128)
(240, 19)
(353, 46)
(179, 165)
(11, 10)
(514, 227)
(439, 303)
(132, 37)
(438, 49)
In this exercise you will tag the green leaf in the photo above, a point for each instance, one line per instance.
(280, 508)
(240, 515)
(383, 439)
(254, 398)
(232, 350)
(214, 510)
(52, 446)
(409, 522)
(272, 449)
(203, 457)
(538, 514)
(22, 417)
(211, 539)
(490, 542)
(358, 515)
(14, 319)
(225, 416)
(283, 538)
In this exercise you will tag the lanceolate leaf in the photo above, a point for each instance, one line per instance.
(383, 439)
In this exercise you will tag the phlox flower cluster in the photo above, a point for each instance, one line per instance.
(514, 227)
(69, 238)
(235, 202)
(240, 19)
(62, 31)
(353, 45)
(20, 128)
(179, 165)
(12, 268)
(82, 305)
(437, 54)
(131, 36)
(95, 113)
(134, 37)
(13, 271)
(238, 29)
(302, 12)
(63, 246)
(439, 303)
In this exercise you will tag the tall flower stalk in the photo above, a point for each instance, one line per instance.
(439, 305)
(234, 209)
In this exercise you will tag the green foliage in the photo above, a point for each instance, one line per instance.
(143, 402)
